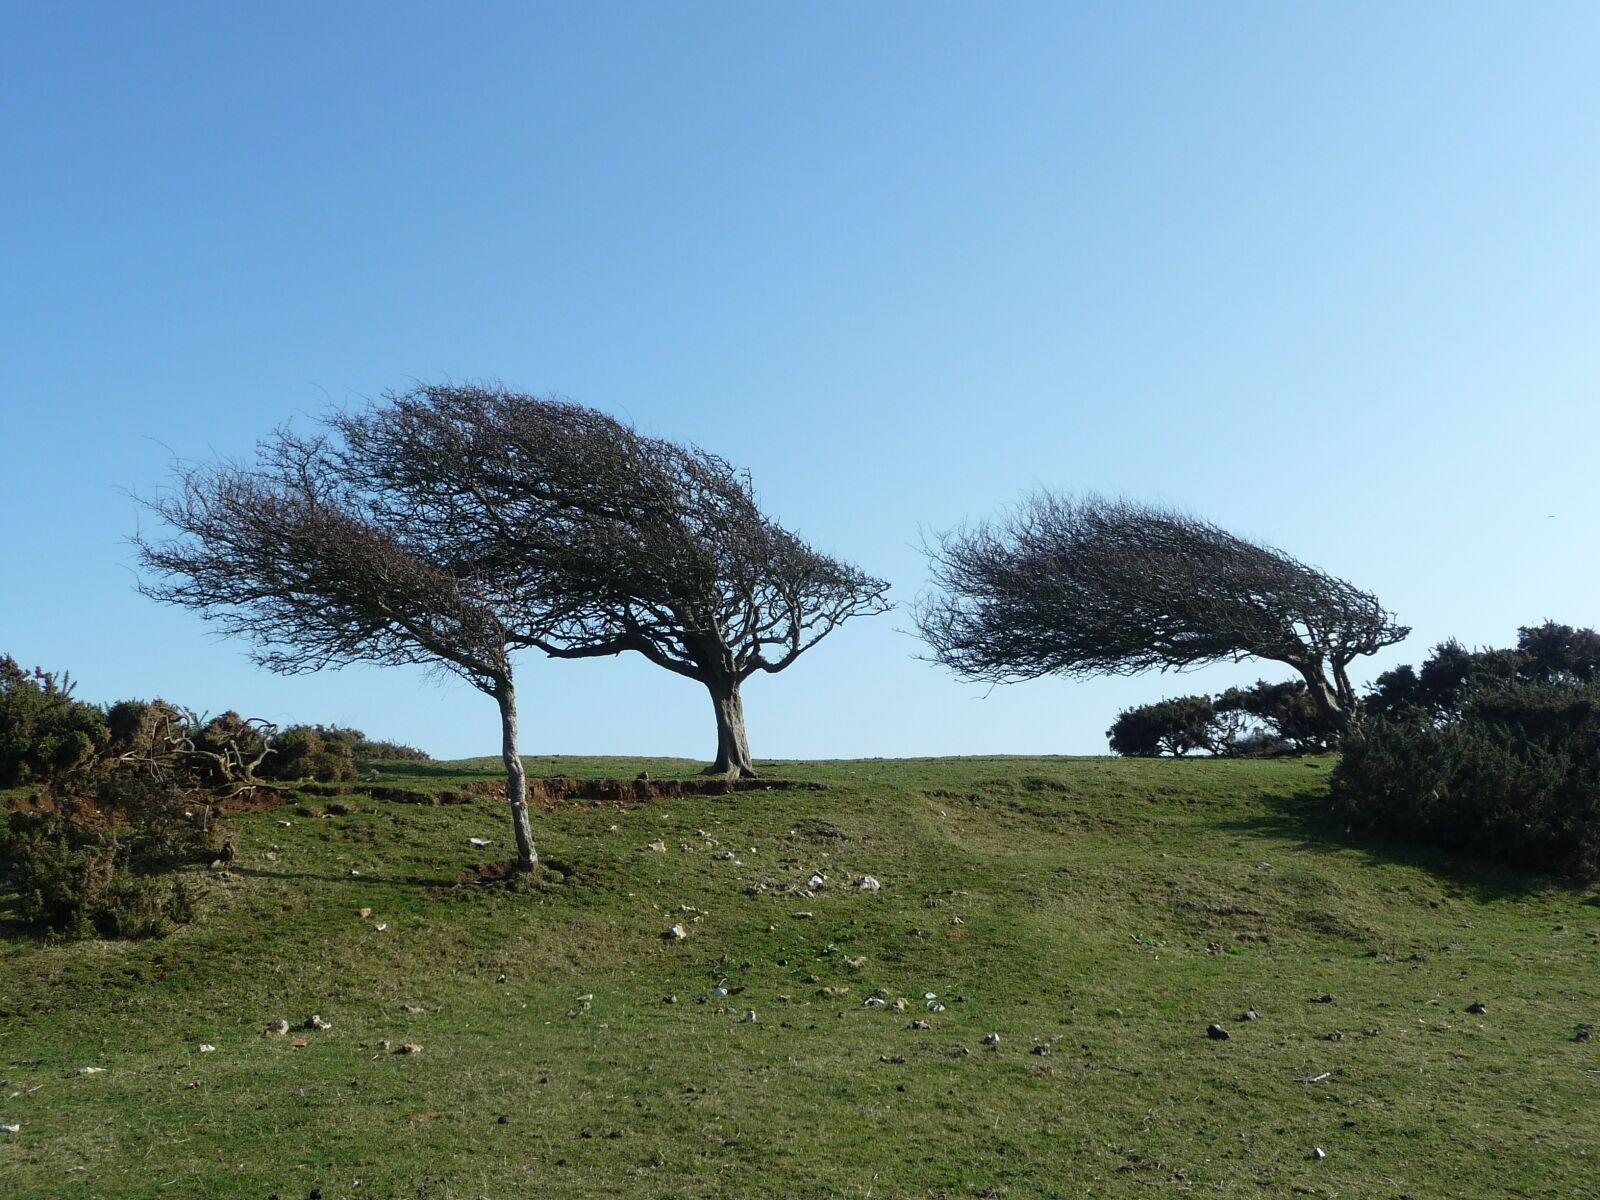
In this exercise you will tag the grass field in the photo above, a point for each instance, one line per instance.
(1096, 914)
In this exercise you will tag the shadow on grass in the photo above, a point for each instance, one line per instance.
(1306, 822)
(421, 881)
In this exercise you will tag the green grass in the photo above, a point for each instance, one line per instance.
(1108, 910)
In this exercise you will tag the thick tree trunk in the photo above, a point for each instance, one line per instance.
(1324, 695)
(733, 746)
(516, 778)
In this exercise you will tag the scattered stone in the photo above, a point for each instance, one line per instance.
(381, 926)
(960, 1052)
(935, 1007)
(919, 1024)
(299, 1043)
(726, 856)
(930, 996)
(316, 1022)
(802, 916)
(1250, 1014)
(502, 1119)
(669, 999)
(363, 913)
(901, 1004)
(1318, 1153)
(207, 1048)
(835, 990)
(856, 963)
(409, 1048)
(1336, 1036)
(480, 842)
(4, 1128)
(1478, 1007)
(815, 882)
(868, 884)
(991, 1039)
(277, 1029)
(1041, 1049)
(896, 1059)
(1322, 999)
(1373, 1032)
(1217, 1033)
(749, 1016)
(1583, 1033)
(1419, 957)
(676, 934)
(659, 847)
(90, 1071)
(874, 1002)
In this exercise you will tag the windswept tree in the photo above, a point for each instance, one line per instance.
(1090, 586)
(347, 546)
(701, 582)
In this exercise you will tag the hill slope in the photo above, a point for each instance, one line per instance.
(1096, 914)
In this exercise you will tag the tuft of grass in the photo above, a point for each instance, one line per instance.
(1096, 914)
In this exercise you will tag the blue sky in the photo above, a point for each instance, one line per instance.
(1324, 274)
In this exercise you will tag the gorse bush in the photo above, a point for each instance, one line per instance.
(44, 732)
(1494, 752)
(107, 868)
(323, 753)
(1263, 719)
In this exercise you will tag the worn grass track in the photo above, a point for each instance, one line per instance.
(1105, 910)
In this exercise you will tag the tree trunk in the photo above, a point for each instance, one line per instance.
(1324, 696)
(516, 777)
(733, 746)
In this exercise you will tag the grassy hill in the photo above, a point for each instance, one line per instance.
(1096, 914)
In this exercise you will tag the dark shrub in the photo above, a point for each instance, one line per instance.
(107, 870)
(1174, 726)
(1496, 753)
(43, 730)
(322, 753)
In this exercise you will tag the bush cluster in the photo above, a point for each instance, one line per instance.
(1495, 752)
(108, 869)
(1263, 719)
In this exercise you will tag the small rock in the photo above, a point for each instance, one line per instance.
(363, 913)
(960, 1052)
(835, 990)
(1217, 1033)
(500, 978)
(719, 991)
(90, 1071)
(381, 926)
(726, 856)
(874, 1002)
(802, 916)
(815, 882)
(749, 1016)
(935, 1007)
(1041, 1049)
(856, 963)
(10, 1128)
(409, 1048)
(991, 1039)
(669, 999)
(316, 1022)
(1318, 1153)
(299, 1043)
(1250, 1014)
(1583, 1033)
(1336, 1036)
(1322, 999)
(676, 934)
(868, 884)
(277, 1029)
(502, 1119)
(1478, 1007)
(659, 847)
(472, 841)
(207, 1048)
(901, 1004)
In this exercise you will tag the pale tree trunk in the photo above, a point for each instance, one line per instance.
(733, 746)
(1324, 695)
(516, 777)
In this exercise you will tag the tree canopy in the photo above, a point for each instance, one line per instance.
(1092, 586)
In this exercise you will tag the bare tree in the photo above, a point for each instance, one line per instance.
(1094, 586)
(349, 545)
(701, 582)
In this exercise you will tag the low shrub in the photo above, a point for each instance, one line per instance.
(323, 753)
(1496, 753)
(108, 869)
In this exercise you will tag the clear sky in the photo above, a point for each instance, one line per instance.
(1326, 274)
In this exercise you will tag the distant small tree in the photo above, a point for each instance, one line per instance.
(1099, 587)
(1275, 718)
(703, 583)
(1176, 727)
